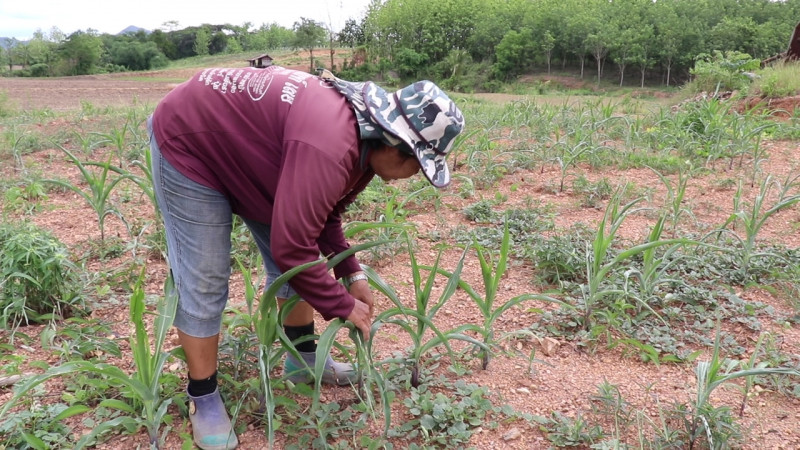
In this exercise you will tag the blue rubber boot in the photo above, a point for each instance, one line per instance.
(336, 373)
(211, 426)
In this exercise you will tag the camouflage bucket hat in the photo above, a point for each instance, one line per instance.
(423, 117)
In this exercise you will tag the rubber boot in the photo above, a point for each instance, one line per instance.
(336, 373)
(211, 426)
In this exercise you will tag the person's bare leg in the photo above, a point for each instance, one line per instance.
(201, 354)
(301, 314)
(211, 426)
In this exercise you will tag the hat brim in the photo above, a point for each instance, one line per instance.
(388, 112)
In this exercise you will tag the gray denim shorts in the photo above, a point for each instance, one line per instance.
(198, 223)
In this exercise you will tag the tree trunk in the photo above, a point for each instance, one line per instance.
(669, 69)
(548, 62)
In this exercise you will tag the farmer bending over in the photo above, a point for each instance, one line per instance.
(286, 151)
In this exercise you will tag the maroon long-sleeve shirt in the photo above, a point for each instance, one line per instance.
(283, 147)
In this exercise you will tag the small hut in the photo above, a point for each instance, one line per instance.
(261, 61)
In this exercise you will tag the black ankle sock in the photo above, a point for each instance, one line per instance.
(202, 387)
(294, 333)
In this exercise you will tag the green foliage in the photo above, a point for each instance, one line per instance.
(407, 62)
(39, 427)
(100, 186)
(137, 55)
(777, 81)
(445, 420)
(417, 321)
(25, 198)
(723, 71)
(38, 282)
(564, 431)
(82, 52)
(143, 390)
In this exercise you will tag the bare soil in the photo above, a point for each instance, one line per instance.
(565, 377)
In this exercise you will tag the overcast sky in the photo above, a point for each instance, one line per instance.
(20, 18)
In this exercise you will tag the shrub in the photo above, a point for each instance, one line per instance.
(723, 71)
(37, 280)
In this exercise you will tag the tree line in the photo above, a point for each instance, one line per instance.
(465, 44)
(484, 41)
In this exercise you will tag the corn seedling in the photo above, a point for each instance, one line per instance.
(492, 275)
(702, 416)
(100, 188)
(676, 194)
(147, 408)
(417, 321)
(655, 267)
(754, 218)
(268, 322)
(599, 264)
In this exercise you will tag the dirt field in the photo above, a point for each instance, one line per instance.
(566, 376)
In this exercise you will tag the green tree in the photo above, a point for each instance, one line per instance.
(136, 55)
(81, 52)
(202, 41)
(164, 43)
(512, 53)
(309, 34)
(352, 34)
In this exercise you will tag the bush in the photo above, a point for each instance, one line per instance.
(37, 280)
(727, 71)
(40, 70)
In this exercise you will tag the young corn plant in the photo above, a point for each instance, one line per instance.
(418, 321)
(575, 147)
(754, 218)
(654, 269)
(600, 264)
(702, 420)
(268, 320)
(676, 194)
(146, 407)
(100, 188)
(487, 302)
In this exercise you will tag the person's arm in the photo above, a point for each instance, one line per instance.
(309, 188)
(332, 242)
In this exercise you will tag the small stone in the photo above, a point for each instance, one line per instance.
(523, 390)
(549, 346)
(512, 434)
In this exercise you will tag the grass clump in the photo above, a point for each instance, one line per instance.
(782, 80)
(37, 280)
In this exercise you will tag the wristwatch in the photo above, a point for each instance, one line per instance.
(357, 277)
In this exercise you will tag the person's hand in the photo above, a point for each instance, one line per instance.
(361, 318)
(361, 291)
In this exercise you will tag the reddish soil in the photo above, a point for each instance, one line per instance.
(565, 377)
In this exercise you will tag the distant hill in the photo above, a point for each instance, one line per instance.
(133, 29)
(6, 42)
